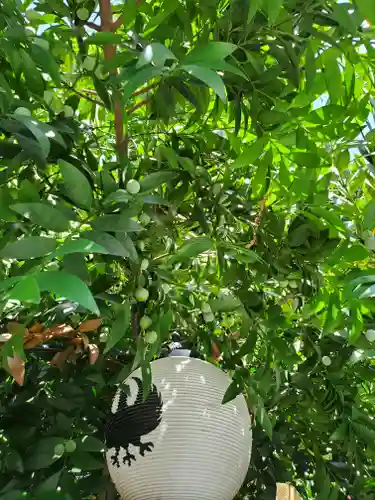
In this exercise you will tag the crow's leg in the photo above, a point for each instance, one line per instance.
(145, 447)
(114, 457)
(128, 457)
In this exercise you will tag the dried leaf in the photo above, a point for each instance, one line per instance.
(61, 357)
(94, 353)
(17, 369)
(36, 328)
(215, 351)
(61, 330)
(34, 341)
(90, 325)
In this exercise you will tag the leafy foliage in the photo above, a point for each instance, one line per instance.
(248, 126)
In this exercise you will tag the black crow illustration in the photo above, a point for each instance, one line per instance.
(130, 423)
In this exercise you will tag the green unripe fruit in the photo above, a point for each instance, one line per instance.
(133, 186)
(326, 360)
(145, 322)
(83, 13)
(59, 450)
(141, 294)
(42, 43)
(68, 111)
(70, 446)
(145, 219)
(23, 111)
(370, 335)
(144, 264)
(89, 63)
(209, 317)
(206, 309)
(141, 245)
(151, 337)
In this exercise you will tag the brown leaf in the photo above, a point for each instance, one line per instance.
(34, 341)
(61, 330)
(94, 353)
(90, 325)
(17, 369)
(36, 328)
(61, 357)
(215, 351)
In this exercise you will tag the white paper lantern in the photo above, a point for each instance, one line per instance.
(181, 443)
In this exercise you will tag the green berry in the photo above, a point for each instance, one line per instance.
(32, 15)
(145, 322)
(141, 294)
(23, 111)
(151, 337)
(83, 13)
(59, 450)
(68, 111)
(145, 219)
(70, 446)
(133, 186)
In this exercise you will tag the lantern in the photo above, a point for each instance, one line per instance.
(181, 443)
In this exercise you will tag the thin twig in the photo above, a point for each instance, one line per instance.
(93, 26)
(258, 220)
(145, 89)
(139, 105)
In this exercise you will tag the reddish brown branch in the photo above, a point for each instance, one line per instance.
(116, 24)
(109, 53)
(139, 105)
(258, 220)
(145, 89)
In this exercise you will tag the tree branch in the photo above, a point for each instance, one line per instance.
(145, 89)
(139, 105)
(105, 9)
(258, 220)
(93, 26)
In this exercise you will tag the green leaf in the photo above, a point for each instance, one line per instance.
(67, 286)
(85, 461)
(90, 443)
(103, 38)
(26, 290)
(254, 6)
(192, 248)
(165, 10)
(213, 51)
(332, 76)
(120, 327)
(129, 246)
(367, 10)
(35, 128)
(138, 79)
(156, 179)
(369, 216)
(77, 186)
(43, 215)
(43, 453)
(273, 9)
(226, 303)
(80, 245)
(30, 247)
(232, 392)
(109, 243)
(209, 77)
(251, 153)
(49, 485)
(155, 53)
(116, 223)
(45, 60)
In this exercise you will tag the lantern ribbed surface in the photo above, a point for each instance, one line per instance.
(286, 492)
(194, 447)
